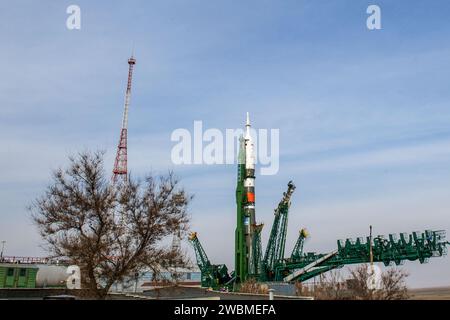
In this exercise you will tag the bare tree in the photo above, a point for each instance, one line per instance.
(333, 286)
(110, 231)
(253, 286)
(392, 286)
(358, 283)
(330, 287)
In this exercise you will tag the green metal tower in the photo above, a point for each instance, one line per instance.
(213, 275)
(277, 240)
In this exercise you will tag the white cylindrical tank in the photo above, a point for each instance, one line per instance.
(51, 276)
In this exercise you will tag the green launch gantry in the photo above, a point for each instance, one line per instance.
(412, 247)
(212, 275)
(277, 240)
(300, 266)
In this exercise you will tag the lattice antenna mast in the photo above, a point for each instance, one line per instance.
(120, 171)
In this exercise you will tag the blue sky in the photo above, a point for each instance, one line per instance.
(363, 115)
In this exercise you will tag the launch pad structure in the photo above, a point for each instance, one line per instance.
(250, 263)
(300, 266)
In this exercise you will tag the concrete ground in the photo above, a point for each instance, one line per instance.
(442, 293)
(186, 292)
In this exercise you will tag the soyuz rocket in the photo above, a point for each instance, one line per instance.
(245, 201)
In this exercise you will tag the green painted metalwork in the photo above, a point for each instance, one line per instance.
(18, 276)
(212, 275)
(200, 254)
(302, 266)
(257, 250)
(240, 259)
(297, 252)
(390, 250)
(277, 240)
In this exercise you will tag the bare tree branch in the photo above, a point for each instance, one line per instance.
(111, 232)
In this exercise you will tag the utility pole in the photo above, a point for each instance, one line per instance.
(371, 250)
(372, 271)
(136, 279)
(3, 247)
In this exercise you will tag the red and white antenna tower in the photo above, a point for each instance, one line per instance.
(120, 170)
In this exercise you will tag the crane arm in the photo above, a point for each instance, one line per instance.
(200, 254)
(277, 240)
(297, 252)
